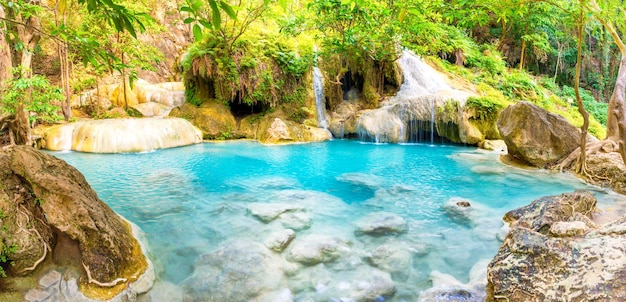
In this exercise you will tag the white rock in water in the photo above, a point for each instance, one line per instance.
(382, 223)
(278, 241)
(315, 249)
(267, 212)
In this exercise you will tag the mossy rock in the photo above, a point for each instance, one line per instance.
(214, 119)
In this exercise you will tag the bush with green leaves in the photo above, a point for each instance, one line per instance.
(36, 94)
(596, 109)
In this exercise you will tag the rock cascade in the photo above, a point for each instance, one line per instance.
(536, 136)
(554, 252)
(49, 207)
(121, 135)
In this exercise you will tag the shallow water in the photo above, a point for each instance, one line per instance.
(189, 200)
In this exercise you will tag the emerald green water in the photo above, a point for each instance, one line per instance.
(190, 200)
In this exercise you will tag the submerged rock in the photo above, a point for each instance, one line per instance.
(382, 223)
(392, 258)
(236, 271)
(121, 135)
(267, 212)
(446, 288)
(278, 241)
(535, 264)
(536, 136)
(314, 249)
(49, 207)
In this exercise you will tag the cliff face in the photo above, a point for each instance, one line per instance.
(44, 201)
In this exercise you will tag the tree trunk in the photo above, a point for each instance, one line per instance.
(5, 52)
(617, 117)
(616, 103)
(30, 37)
(521, 57)
(22, 126)
(582, 160)
(460, 58)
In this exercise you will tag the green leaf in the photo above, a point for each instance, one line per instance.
(216, 17)
(197, 32)
(205, 23)
(186, 9)
(229, 10)
(189, 20)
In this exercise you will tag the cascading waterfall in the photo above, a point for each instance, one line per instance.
(320, 101)
(409, 116)
(122, 135)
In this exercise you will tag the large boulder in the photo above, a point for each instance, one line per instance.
(554, 253)
(48, 207)
(536, 136)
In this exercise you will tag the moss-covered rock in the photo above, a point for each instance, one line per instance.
(44, 199)
(214, 119)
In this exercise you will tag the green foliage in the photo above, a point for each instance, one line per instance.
(37, 95)
(266, 69)
(132, 112)
(596, 109)
(486, 108)
(5, 253)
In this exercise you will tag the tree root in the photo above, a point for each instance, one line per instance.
(46, 248)
(592, 148)
(102, 284)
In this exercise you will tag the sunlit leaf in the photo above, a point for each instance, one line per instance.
(197, 32)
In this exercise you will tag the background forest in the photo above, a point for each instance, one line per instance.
(257, 52)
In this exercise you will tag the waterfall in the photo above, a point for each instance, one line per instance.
(410, 115)
(320, 101)
(122, 135)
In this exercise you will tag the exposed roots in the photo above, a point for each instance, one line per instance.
(592, 148)
(102, 284)
(46, 248)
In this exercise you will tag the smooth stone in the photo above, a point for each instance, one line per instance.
(446, 288)
(295, 220)
(51, 278)
(237, 271)
(314, 249)
(278, 241)
(37, 295)
(391, 258)
(381, 223)
(267, 212)
(363, 284)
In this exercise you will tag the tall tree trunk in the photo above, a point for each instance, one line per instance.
(29, 35)
(582, 160)
(66, 106)
(521, 57)
(5, 52)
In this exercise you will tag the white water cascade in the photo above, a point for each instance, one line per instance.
(320, 101)
(410, 116)
(122, 135)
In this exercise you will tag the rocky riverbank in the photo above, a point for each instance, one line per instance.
(51, 217)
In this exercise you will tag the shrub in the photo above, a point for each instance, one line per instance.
(37, 95)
